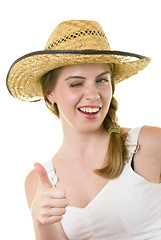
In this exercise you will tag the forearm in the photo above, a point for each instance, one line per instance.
(47, 232)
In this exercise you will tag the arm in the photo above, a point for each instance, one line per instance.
(148, 158)
(40, 194)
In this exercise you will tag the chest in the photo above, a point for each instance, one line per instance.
(81, 187)
(126, 207)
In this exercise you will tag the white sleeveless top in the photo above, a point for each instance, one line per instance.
(127, 208)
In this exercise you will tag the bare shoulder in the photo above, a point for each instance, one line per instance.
(149, 154)
(150, 141)
(150, 132)
(31, 183)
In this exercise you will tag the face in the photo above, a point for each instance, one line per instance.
(83, 94)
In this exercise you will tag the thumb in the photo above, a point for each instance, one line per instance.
(42, 173)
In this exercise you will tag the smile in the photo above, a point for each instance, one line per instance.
(89, 110)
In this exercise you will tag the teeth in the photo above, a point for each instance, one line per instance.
(89, 110)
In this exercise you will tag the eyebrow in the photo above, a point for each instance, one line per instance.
(103, 73)
(71, 77)
(74, 77)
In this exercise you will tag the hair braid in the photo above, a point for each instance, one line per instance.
(116, 154)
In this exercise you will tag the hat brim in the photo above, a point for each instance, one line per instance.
(23, 79)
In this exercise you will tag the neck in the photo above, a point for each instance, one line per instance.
(84, 147)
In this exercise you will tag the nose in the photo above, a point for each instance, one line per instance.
(91, 92)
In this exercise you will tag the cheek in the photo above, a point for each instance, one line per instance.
(107, 93)
(66, 97)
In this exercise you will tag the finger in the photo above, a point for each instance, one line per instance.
(53, 193)
(54, 212)
(57, 211)
(57, 193)
(51, 219)
(52, 202)
(48, 199)
(43, 176)
(58, 203)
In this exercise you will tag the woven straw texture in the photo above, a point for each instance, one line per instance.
(72, 42)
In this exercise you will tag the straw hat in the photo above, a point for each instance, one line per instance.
(72, 42)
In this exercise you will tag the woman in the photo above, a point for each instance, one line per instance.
(104, 181)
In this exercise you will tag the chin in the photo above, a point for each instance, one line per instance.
(90, 128)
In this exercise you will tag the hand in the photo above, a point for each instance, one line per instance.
(49, 203)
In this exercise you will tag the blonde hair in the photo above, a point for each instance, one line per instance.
(117, 152)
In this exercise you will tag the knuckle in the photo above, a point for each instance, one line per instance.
(44, 203)
(44, 220)
(64, 203)
(44, 200)
(50, 220)
(58, 218)
(43, 212)
(60, 211)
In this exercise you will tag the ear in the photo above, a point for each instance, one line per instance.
(51, 96)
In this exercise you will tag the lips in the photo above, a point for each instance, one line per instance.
(89, 109)
(90, 112)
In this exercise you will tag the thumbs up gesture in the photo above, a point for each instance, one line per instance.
(49, 203)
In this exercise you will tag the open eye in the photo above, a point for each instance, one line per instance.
(103, 80)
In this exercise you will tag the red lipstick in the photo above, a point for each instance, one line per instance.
(89, 115)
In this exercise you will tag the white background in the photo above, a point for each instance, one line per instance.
(29, 132)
